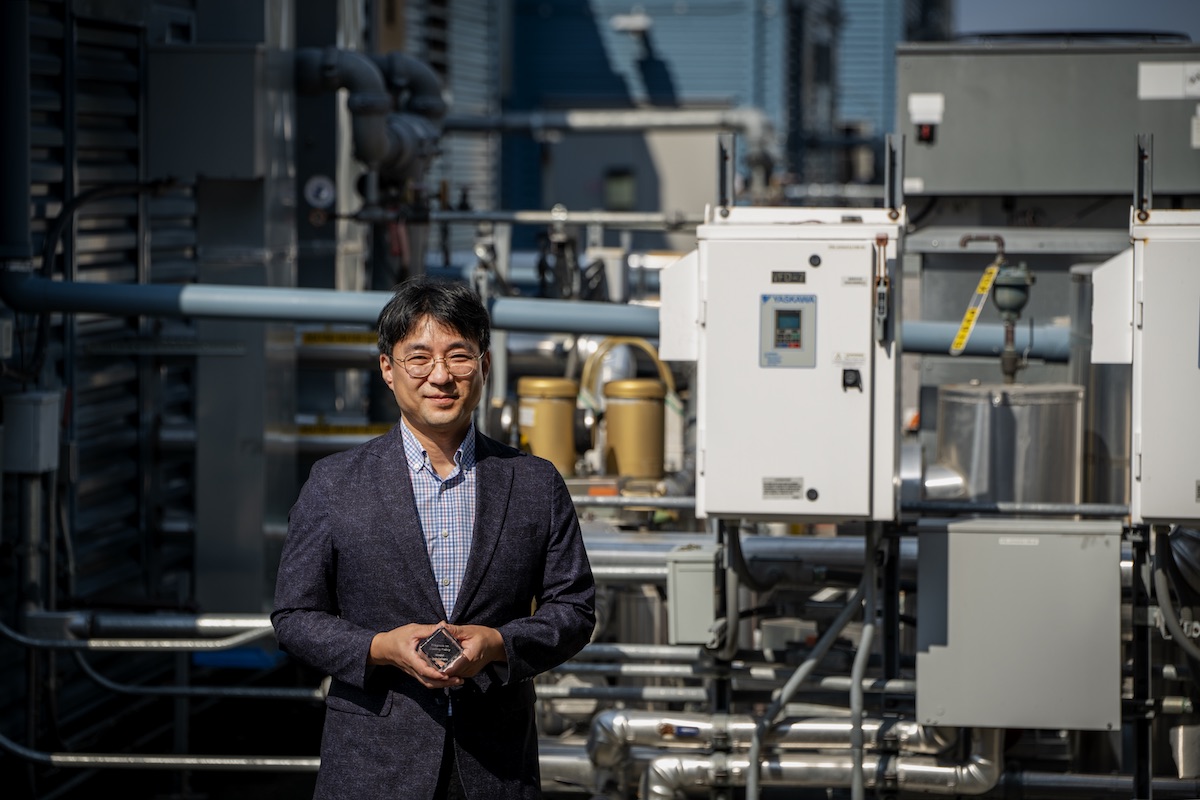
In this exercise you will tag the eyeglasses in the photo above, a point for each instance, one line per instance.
(420, 365)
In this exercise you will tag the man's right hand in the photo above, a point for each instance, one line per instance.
(398, 648)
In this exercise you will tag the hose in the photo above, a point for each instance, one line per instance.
(1162, 596)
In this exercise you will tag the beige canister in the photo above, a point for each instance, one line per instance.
(546, 419)
(633, 420)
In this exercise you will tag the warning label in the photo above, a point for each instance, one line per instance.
(782, 488)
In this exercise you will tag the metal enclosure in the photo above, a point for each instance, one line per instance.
(1020, 624)
(795, 312)
(1053, 119)
(1166, 367)
(221, 117)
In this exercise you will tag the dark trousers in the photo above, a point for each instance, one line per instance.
(449, 785)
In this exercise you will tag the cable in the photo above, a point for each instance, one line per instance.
(54, 234)
(1162, 596)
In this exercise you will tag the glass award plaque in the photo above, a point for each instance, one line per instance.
(441, 649)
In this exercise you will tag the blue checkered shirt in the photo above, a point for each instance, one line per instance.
(447, 511)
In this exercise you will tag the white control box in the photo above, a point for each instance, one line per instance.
(794, 329)
(1165, 472)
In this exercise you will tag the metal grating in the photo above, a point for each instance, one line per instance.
(120, 502)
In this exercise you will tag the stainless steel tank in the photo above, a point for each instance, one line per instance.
(1018, 443)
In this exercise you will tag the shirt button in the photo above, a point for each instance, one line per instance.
(445, 534)
(445, 581)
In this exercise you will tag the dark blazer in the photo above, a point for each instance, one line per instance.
(355, 564)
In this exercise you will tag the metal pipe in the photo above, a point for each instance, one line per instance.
(859, 667)
(416, 80)
(629, 220)
(669, 776)
(614, 732)
(647, 694)
(241, 692)
(784, 695)
(1049, 342)
(25, 291)
(565, 768)
(129, 761)
(16, 243)
(158, 645)
(540, 314)
(329, 69)
(625, 652)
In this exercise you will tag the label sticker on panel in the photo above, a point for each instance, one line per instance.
(782, 488)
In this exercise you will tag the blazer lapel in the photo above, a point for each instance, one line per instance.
(493, 480)
(415, 573)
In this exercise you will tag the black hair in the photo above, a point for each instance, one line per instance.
(453, 304)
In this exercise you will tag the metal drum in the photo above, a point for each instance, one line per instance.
(1013, 442)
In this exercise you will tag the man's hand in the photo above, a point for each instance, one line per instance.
(481, 646)
(398, 648)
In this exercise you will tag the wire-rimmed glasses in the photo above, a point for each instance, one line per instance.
(420, 365)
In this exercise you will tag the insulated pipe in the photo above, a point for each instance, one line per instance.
(417, 80)
(633, 652)
(1050, 342)
(25, 291)
(328, 70)
(564, 768)
(667, 777)
(614, 732)
(16, 243)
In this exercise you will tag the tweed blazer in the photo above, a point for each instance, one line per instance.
(355, 564)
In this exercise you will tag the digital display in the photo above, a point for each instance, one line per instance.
(787, 327)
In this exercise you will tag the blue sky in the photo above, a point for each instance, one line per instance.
(1167, 16)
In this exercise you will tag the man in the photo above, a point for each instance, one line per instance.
(432, 525)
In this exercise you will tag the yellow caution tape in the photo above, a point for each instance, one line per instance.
(973, 308)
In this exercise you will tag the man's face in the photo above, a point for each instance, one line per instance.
(438, 405)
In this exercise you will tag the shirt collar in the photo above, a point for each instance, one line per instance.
(418, 458)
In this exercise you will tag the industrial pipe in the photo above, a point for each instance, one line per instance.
(415, 83)
(614, 732)
(1045, 342)
(329, 69)
(137, 644)
(784, 695)
(861, 656)
(669, 776)
(25, 291)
